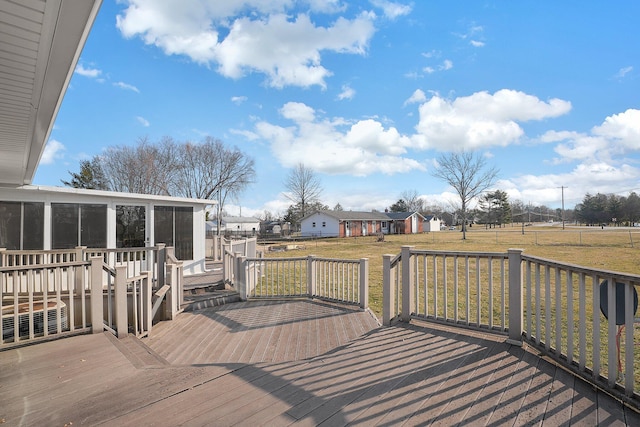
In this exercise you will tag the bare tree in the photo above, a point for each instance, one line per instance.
(145, 168)
(469, 176)
(304, 187)
(210, 170)
(414, 202)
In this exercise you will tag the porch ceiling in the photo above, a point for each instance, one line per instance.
(40, 43)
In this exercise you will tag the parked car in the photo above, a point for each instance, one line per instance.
(452, 227)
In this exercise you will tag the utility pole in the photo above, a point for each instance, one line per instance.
(562, 213)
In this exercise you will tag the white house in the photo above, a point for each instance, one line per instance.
(45, 43)
(432, 223)
(343, 224)
(241, 225)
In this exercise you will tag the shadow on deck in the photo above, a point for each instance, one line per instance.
(295, 362)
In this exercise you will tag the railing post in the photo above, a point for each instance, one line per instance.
(161, 265)
(147, 290)
(408, 293)
(515, 297)
(311, 276)
(240, 277)
(120, 302)
(364, 283)
(97, 303)
(388, 291)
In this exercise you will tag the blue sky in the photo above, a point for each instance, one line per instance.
(367, 93)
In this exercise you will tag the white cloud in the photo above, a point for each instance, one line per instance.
(269, 38)
(623, 72)
(617, 135)
(87, 72)
(447, 64)
(336, 146)
(416, 97)
(392, 10)
(592, 178)
(481, 120)
(476, 43)
(52, 152)
(347, 93)
(238, 99)
(144, 122)
(126, 86)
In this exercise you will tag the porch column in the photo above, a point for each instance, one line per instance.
(408, 293)
(515, 297)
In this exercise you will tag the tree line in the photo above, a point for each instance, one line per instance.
(203, 170)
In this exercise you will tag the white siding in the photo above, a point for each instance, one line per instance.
(319, 225)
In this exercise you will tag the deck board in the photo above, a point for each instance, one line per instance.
(297, 362)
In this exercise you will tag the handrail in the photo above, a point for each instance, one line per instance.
(555, 306)
(44, 266)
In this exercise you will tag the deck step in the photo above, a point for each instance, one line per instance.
(138, 353)
(194, 302)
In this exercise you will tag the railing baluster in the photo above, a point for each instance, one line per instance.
(558, 322)
(582, 314)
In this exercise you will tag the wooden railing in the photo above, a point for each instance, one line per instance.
(557, 307)
(47, 293)
(41, 300)
(330, 279)
(564, 316)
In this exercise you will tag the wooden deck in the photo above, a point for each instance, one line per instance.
(294, 362)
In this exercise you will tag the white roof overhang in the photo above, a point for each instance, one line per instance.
(40, 43)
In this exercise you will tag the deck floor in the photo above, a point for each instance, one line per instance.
(294, 362)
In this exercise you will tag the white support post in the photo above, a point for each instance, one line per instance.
(311, 276)
(97, 303)
(388, 291)
(515, 297)
(364, 283)
(408, 293)
(240, 282)
(147, 290)
(171, 297)
(161, 265)
(120, 302)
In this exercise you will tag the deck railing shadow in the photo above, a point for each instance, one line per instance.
(233, 316)
(440, 378)
(559, 308)
(583, 318)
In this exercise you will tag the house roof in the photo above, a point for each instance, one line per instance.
(352, 215)
(40, 43)
(44, 190)
(240, 219)
(402, 215)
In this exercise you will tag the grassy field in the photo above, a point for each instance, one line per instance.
(603, 249)
(609, 249)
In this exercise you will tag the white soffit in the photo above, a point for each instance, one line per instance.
(40, 43)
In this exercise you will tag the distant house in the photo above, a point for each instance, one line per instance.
(432, 223)
(240, 225)
(354, 224)
(344, 224)
(405, 222)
